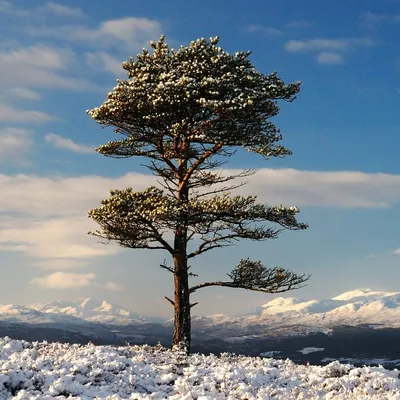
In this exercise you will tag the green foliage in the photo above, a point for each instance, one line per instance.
(136, 219)
(199, 92)
(254, 275)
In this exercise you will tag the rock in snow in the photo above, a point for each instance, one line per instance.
(47, 371)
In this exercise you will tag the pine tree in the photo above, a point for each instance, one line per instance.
(186, 111)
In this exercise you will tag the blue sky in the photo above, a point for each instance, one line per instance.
(59, 59)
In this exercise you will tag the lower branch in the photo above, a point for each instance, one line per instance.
(252, 275)
(270, 290)
(170, 301)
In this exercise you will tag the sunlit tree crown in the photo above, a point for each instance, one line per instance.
(199, 93)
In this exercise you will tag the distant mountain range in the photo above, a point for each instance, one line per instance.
(356, 307)
(353, 308)
(354, 325)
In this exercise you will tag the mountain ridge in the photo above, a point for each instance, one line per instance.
(356, 307)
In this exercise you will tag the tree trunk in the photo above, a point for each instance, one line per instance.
(182, 332)
(182, 329)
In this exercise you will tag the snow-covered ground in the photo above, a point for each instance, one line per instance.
(47, 371)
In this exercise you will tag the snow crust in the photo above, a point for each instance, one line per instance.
(308, 350)
(59, 371)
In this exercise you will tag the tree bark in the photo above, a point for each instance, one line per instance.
(182, 329)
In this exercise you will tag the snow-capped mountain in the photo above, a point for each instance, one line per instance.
(356, 307)
(82, 313)
(91, 310)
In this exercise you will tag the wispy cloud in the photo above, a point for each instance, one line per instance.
(343, 44)
(40, 66)
(397, 251)
(43, 197)
(69, 144)
(372, 19)
(49, 8)
(329, 51)
(49, 216)
(10, 114)
(49, 213)
(68, 280)
(52, 238)
(24, 93)
(330, 58)
(64, 280)
(39, 56)
(130, 32)
(102, 61)
(63, 10)
(7, 7)
(15, 145)
(40, 196)
(338, 189)
(265, 30)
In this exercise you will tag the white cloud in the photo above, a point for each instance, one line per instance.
(38, 56)
(338, 189)
(64, 280)
(7, 7)
(45, 197)
(266, 30)
(397, 251)
(41, 67)
(47, 215)
(130, 32)
(50, 8)
(41, 196)
(373, 19)
(104, 62)
(24, 93)
(10, 114)
(69, 280)
(66, 143)
(52, 238)
(15, 144)
(64, 11)
(343, 44)
(329, 58)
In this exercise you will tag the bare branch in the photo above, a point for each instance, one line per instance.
(170, 301)
(164, 266)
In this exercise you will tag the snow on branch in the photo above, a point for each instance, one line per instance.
(195, 95)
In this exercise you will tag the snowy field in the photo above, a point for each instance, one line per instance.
(47, 371)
